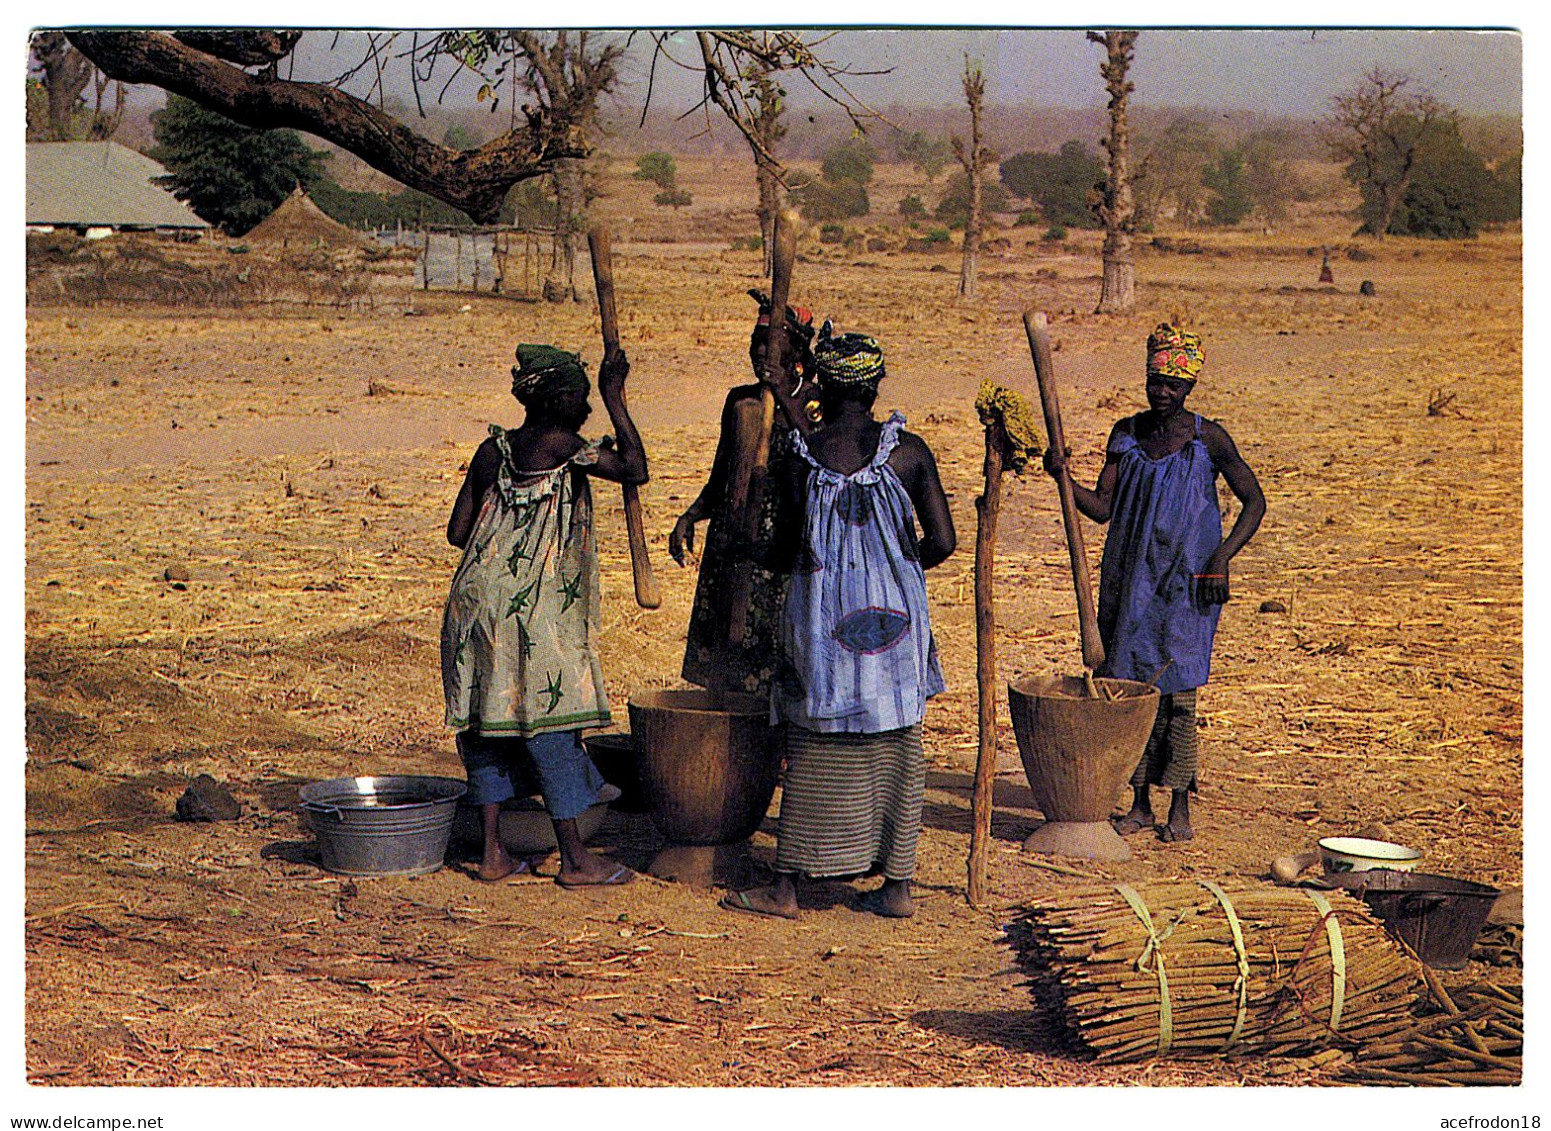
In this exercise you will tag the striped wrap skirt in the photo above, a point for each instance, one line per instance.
(851, 803)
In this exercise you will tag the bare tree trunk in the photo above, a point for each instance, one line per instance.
(975, 157)
(65, 75)
(768, 130)
(769, 205)
(1117, 209)
(569, 220)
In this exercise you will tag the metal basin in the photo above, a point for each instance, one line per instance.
(394, 825)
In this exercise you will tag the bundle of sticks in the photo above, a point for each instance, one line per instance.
(1475, 1036)
(1201, 969)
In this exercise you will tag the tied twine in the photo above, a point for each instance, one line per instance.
(1337, 957)
(1241, 984)
(1154, 948)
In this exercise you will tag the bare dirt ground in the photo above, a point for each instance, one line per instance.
(308, 512)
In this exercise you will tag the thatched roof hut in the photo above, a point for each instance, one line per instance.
(299, 223)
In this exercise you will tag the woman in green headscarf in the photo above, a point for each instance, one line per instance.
(519, 669)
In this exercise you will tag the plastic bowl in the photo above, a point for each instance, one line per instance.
(1359, 854)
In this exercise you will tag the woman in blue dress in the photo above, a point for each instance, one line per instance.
(1164, 575)
(858, 659)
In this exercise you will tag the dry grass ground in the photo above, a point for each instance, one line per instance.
(300, 467)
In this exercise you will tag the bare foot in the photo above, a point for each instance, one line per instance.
(595, 873)
(892, 900)
(1171, 832)
(494, 871)
(1133, 822)
(766, 901)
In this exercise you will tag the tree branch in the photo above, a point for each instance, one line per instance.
(475, 180)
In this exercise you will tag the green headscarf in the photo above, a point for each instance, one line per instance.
(543, 374)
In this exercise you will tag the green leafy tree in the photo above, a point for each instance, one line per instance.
(825, 201)
(228, 174)
(840, 191)
(1060, 183)
(531, 204)
(1230, 201)
(659, 168)
(1450, 190)
(953, 208)
(457, 137)
(1379, 129)
(380, 209)
(851, 160)
(1505, 202)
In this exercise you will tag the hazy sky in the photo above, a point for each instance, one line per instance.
(1281, 71)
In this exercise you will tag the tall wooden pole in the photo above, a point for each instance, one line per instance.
(647, 595)
(747, 490)
(987, 508)
(1034, 325)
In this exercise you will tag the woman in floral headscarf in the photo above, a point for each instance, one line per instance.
(1164, 576)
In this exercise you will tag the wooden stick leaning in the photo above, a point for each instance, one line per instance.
(747, 489)
(1035, 326)
(647, 595)
(987, 508)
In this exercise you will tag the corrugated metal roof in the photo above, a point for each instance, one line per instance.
(100, 183)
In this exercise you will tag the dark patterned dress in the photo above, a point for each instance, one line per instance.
(709, 659)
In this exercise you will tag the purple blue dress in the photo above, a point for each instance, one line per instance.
(1165, 522)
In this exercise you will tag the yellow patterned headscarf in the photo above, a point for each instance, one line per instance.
(1174, 352)
(847, 359)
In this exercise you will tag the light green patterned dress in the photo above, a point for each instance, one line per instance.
(517, 654)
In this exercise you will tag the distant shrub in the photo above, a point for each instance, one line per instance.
(911, 208)
(937, 235)
(953, 208)
(831, 233)
(1027, 220)
(659, 168)
(674, 198)
(1054, 234)
(821, 200)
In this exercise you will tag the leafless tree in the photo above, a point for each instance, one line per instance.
(237, 73)
(1377, 128)
(769, 102)
(743, 78)
(976, 157)
(1117, 204)
(569, 73)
